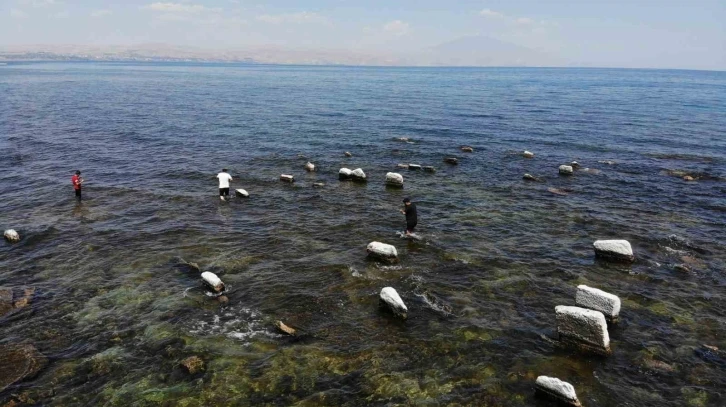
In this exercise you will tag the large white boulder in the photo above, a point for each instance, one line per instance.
(584, 328)
(556, 389)
(391, 299)
(565, 170)
(212, 281)
(618, 250)
(394, 179)
(12, 236)
(598, 300)
(344, 173)
(241, 193)
(310, 166)
(382, 251)
(358, 175)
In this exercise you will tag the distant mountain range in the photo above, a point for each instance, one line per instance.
(466, 51)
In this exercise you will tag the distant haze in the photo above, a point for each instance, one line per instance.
(642, 34)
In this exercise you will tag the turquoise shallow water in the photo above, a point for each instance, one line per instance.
(115, 312)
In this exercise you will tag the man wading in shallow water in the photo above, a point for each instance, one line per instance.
(409, 210)
(77, 181)
(224, 179)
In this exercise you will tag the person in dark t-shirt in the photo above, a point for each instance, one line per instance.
(409, 210)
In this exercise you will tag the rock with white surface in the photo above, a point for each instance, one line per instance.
(241, 193)
(358, 175)
(318, 184)
(598, 300)
(404, 139)
(414, 167)
(403, 166)
(382, 251)
(583, 328)
(212, 281)
(287, 178)
(555, 389)
(528, 154)
(348, 154)
(344, 174)
(565, 170)
(575, 164)
(12, 236)
(394, 179)
(310, 167)
(529, 177)
(391, 300)
(467, 149)
(615, 250)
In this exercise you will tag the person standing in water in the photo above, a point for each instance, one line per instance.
(77, 182)
(409, 209)
(224, 179)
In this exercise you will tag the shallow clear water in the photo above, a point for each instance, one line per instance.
(115, 312)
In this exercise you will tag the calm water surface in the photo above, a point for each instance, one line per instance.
(115, 311)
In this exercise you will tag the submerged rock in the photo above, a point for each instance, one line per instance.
(558, 191)
(616, 250)
(429, 168)
(575, 164)
(527, 154)
(348, 154)
(394, 179)
(6, 301)
(12, 236)
(712, 354)
(583, 328)
(318, 184)
(451, 160)
(404, 166)
(382, 251)
(598, 300)
(467, 149)
(358, 175)
(344, 174)
(192, 364)
(391, 300)
(565, 170)
(607, 162)
(404, 139)
(688, 178)
(310, 166)
(212, 281)
(556, 389)
(19, 362)
(241, 193)
(529, 177)
(287, 178)
(286, 329)
(25, 299)
(414, 167)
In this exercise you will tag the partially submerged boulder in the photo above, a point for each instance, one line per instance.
(583, 328)
(555, 389)
(575, 164)
(241, 193)
(19, 362)
(394, 179)
(318, 184)
(286, 329)
(527, 154)
(358, 175)
(404, 139)
(467, 149)
(287, 178)
(12, 236)
(414, 167)
(529, 177)
(382, 251)
(404, 166)
(428, 168)
(598, 300)
(615, 250)
(212, 281)
(451, 160)
(348, 154)
(192, 364)
(566, 170)
(390, 299)
(310, 166)
(344, 174)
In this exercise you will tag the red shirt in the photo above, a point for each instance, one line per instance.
(76, 180)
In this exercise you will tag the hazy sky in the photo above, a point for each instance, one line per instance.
(635, 33)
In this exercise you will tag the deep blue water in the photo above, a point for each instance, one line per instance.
(114, 312)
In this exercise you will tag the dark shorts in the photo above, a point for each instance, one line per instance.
(223, 191)
(410, 227)
(78, 192)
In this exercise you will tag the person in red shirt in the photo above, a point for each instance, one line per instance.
(77, 181)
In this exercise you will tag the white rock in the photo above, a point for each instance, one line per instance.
(598, 300)
(565, 170)
(414, 167)
(529, 177)
(344, 173)
(557, 389)
(310, 166)
(241, 193)
(287, 178)
(393, 301)
(394, 179)
(528, 154)
(382, 251)
(403, 139)
(574, 164)
(583, 327)
(211, 280)
(402, 166)
(348, 154)
(619, 250)
(318, 184)
(467, 149)
(12, 236)
(358, 175)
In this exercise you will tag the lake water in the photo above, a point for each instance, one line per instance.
(114, 310)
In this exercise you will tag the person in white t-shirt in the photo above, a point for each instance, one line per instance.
(224, 179)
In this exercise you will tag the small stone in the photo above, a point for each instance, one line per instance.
(287, 178)
(429, 168)
(598, 300)
(451, 160)
(529, 177)
(558, 390)
(404, 139)
(688, 178)
(12, 236)
(344, 174)
(607, 162)
(528, 154)
(404, 166)
(557, 191)
(286, 329)
(310, 166)
(394, 179)
(616, 250)
(348, 154)
(192, 364)
(358, 175)
(682, 268)
(414, 167)
(223, 299)
(212, 281)
(382, 251)
(565, 170)
(390, 299)
(318, 184)
(467, 149)
(575, 164)
(241, 193)
(583, 328)
(658, 365)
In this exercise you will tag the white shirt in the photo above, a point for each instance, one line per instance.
(224, 179)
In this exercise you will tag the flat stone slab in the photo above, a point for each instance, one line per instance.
(391, 300)
(566, 170)
(556, 389)
(287, 178)
(598, 300)
(414, 167)
(212, 281)
(528, 154)
(583, 328)
(241, 193)
(19, 362)
(382, 251)
(615, 250)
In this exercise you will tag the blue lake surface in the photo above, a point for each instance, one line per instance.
(114, 308)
